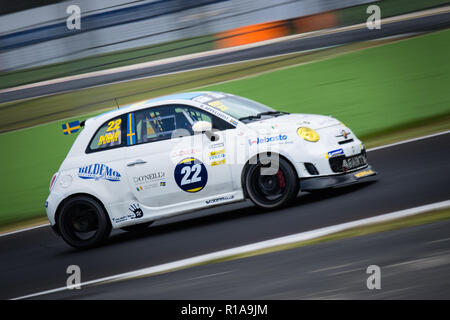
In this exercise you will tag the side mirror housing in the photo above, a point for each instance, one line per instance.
(205, 127)
(201, 126)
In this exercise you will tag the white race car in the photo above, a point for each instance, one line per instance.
(175, 154)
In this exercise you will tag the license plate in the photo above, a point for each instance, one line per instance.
(354, 162)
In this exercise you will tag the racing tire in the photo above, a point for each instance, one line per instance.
(137, 227)
(83, 223)
(275, 190)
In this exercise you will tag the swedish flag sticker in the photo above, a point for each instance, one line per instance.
(71, 127)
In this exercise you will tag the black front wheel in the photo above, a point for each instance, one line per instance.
(83, 223)
(272, 182)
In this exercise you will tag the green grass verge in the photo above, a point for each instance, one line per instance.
(376, 90)
(106, 61)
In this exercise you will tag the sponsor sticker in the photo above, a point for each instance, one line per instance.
(217, 200)
(136, 213)
(267, 139)
(97, 172)
(216, 145)
(216, 163)
(150, 180)
(334, 153)
(185, 152)
(217, 157)
(363, 173)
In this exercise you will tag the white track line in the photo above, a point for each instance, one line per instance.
(409, 140)
(368, 150)
(229, 253)
(24, 229)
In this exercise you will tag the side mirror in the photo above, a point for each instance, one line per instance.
(206, 127)
(201, 126)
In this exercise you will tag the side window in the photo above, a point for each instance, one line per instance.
(110, 135)
(199, 115)
(154, 124)
(158, 123)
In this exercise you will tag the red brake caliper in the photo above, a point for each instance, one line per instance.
(281, 179)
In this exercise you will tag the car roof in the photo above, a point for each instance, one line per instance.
(175, 96)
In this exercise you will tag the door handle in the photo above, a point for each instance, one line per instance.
(139, 161)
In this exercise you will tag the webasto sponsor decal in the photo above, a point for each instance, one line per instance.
(219, 199)
(98, 171)
(258, 140)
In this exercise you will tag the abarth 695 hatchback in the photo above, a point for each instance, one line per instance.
(176, 154)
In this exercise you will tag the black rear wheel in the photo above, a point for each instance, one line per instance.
(271, 182)
(83, 223)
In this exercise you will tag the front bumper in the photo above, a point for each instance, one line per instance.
(332, 181)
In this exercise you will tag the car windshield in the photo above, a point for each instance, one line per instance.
(237, 107)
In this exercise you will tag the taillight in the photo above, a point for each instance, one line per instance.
(53, 181)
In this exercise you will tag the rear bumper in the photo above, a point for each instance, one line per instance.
(332, 181)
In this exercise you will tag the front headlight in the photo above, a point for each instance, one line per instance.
(308, 134)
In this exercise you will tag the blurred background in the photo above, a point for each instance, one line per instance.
(301, 56)
(34, 33)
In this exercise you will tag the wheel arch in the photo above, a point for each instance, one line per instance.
(247, 165)
(60, 205)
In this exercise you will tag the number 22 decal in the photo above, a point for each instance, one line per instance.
(114, 125)
(196, 169)
(191, 175)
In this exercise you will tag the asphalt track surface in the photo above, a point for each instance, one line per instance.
(410, 175)
(415, 265)
(422, 24)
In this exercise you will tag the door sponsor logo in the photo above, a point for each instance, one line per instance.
(98, 171)
(150, 180)
(149, 177)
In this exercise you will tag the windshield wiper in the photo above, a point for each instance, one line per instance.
(267, 113)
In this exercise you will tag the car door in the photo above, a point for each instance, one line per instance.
(166, 164)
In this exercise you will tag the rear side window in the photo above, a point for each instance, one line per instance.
(110, 135)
